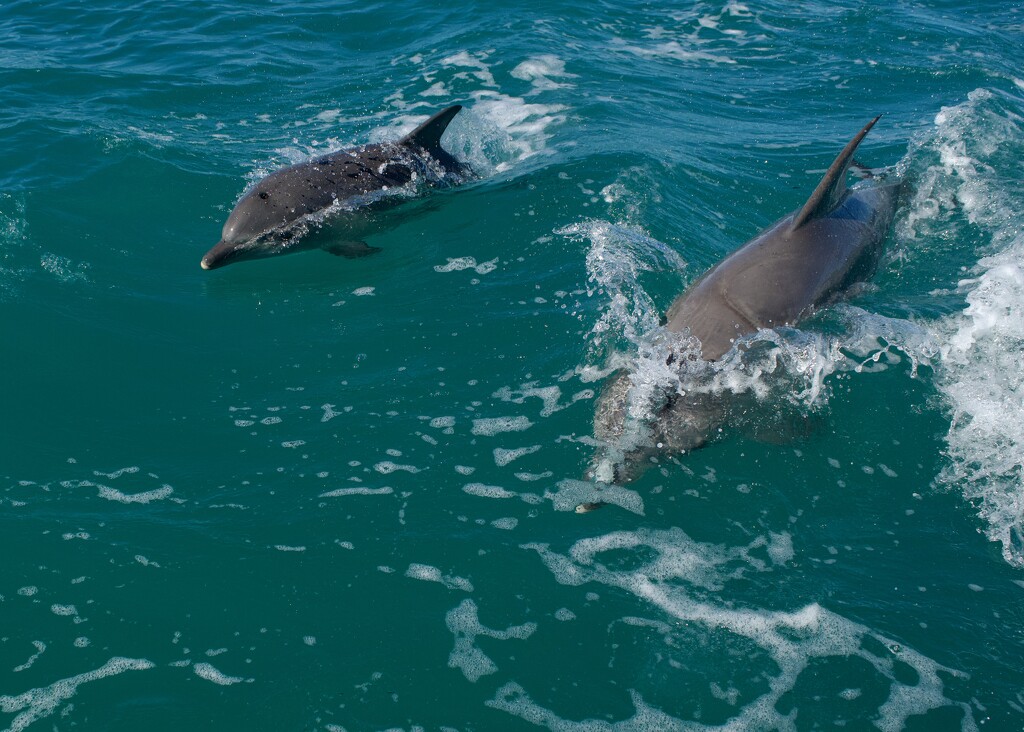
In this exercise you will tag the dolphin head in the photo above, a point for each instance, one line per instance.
(256, 228)
(632, 443)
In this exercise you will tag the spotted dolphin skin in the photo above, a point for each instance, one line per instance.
(274, 215)
(806, 260)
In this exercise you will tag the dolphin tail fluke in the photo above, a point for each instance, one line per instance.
(830, 190)
(428, 134)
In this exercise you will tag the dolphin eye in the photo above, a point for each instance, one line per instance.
(264, 195)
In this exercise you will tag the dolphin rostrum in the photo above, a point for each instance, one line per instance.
(276, 213)
(806, 260)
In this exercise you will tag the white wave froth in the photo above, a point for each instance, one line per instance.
(616, 258)
(213, 675)
(37, 704)
(112, 494)
(680, 579)
(464, 623)
(428, 573)
(974, 149)
(699, 36)
(497, 130)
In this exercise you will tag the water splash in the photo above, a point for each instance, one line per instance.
(970, 162)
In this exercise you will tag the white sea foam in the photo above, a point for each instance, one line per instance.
(531, 477)
(496, 130)
(525, 127)
(491, 426)
(386, 467)
(681, 580)
(207, 671)
(678, 51)
(460, 263)
(31, 706)
(701, 38)
(427, 573)
(464, 623)
(550, 396)
(973, 148)
(476, 63)
(488, 491)
(617, 255)
(131, 470)
(40, 649)
(492, 491)
(329, 412)
(503, 457)
(542, 71)
(63, 268)
(359, 491)
(112, 494)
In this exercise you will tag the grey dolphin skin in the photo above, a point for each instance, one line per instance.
(806, 260)
(272, 217)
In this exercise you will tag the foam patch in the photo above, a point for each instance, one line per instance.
(464, 623)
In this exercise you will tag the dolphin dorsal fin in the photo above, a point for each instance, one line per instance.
(832, 187)
(428, 134)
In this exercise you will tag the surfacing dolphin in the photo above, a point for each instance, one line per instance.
(806, 260)
(342, 189)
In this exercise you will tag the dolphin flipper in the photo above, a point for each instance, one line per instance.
(832, 187)
(351, 249)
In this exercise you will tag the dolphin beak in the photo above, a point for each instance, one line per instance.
(218, 256)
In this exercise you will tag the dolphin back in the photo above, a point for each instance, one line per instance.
(804, 261)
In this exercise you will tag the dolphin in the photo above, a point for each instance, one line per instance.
(275, 214)
(808, 259)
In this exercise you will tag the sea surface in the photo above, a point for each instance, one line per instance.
(318, 493)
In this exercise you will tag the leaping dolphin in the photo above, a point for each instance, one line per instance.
(806, 260)
(274, 215)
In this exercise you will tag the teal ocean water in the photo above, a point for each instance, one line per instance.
(317, 493)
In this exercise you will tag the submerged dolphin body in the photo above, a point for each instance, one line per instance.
(804, 261)
(272, 217)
